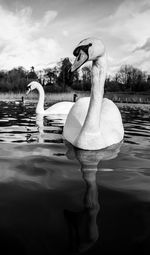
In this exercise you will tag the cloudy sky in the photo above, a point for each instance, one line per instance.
(40, 32)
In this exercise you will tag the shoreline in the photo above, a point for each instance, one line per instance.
(118, 98)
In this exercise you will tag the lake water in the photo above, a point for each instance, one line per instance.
(55, 199)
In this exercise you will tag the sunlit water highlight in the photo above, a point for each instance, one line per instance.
(56, 199)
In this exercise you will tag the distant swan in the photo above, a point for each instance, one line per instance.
(20, 102)
(75, 97)
(93, 123)
(58, 108)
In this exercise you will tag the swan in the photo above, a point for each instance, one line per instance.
(20, 102)
(93, 122)
(58, 108)
(75, 97)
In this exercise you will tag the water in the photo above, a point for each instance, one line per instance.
(55, 199)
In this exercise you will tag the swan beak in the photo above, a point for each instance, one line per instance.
(28, 91)
(79, 61)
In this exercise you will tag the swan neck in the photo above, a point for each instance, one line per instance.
(92, 121)
(98, 77)
(40, 105)
(89, 173)
(91, 190)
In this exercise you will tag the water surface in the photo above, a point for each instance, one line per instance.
(56, 199)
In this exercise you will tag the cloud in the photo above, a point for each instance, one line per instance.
(145, 46)
(125, 31)
(23, 41)
(48, 17)
(65, 33)
(27, 39)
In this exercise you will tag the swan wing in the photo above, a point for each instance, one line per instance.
(60, 108)
(111, 125)
(75, 119)
(111, 128)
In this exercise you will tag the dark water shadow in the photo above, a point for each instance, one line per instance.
(83, 229)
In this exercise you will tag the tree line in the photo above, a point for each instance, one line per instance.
(60, 79)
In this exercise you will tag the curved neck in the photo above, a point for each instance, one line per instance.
(40, 105)
(92, 121)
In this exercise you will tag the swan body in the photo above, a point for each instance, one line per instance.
(58, 108)
(20, 102)
(93, 122)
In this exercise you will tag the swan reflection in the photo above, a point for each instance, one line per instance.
(47, 129)
(82, 225)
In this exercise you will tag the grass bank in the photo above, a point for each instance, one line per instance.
(49, 97)
(68, 96)
(130, 98)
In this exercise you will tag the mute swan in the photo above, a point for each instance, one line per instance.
(20, 102)
(75, 97)
(93, 123)
(58, 108)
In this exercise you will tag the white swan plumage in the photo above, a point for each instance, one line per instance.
(61, 108)
(93, 122)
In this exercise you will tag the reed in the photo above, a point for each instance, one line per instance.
(68, 96)
(133, 106)
(49, 97)
(129, 98)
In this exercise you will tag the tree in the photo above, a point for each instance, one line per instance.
(86, 77)
(51, 75)
(32, 76)
(131, 78)
(65, 77)
(13, 80)
(76, 81)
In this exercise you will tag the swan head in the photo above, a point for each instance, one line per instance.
(31, 86)
(89, 49)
